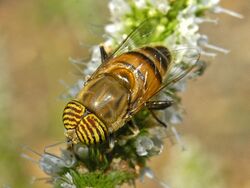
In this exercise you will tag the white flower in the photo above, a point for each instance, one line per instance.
(209, 3)
(114, 33)
(118, 8)
(149, 144)
(74, 90)
(143, 145)
(81, 150)
(68, 182)
(53, 165)
(219, 9)
(203, 41)
(187, 25)
(204, 3)
(67, 185)
(94, 62)
(158, 132)
(140, 4)
(161, 5)
(150, 174)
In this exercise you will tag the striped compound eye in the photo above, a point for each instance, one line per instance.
(91, 130)
(72, 114)
(83, 125)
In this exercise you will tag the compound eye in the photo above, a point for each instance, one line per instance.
(72, 114)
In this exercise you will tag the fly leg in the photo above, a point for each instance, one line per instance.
(133, 128)
(158, 105)
(104, 54)
(52, 146)
(112, 138)
(157, 119)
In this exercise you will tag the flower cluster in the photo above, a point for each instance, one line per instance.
(177, 25)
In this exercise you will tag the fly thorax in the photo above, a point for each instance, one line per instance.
(107, 98)
(127, 75)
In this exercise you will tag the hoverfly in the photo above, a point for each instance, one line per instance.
(121, 86)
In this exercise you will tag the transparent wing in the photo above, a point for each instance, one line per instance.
(184, 61)
(140, 36)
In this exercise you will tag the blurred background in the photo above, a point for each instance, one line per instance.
(38, 37)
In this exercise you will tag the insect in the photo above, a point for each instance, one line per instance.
(121, 86)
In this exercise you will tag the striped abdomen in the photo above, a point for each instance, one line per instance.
(88, 128)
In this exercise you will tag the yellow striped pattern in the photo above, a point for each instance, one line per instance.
(72, 114)
(98, 124)
(91, 130)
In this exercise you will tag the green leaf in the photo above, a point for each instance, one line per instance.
(100, 179)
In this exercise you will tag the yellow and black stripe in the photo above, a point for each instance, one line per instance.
(161, 54)
(88, 127)
(91, 130)
(144, 58)
(72, 114)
